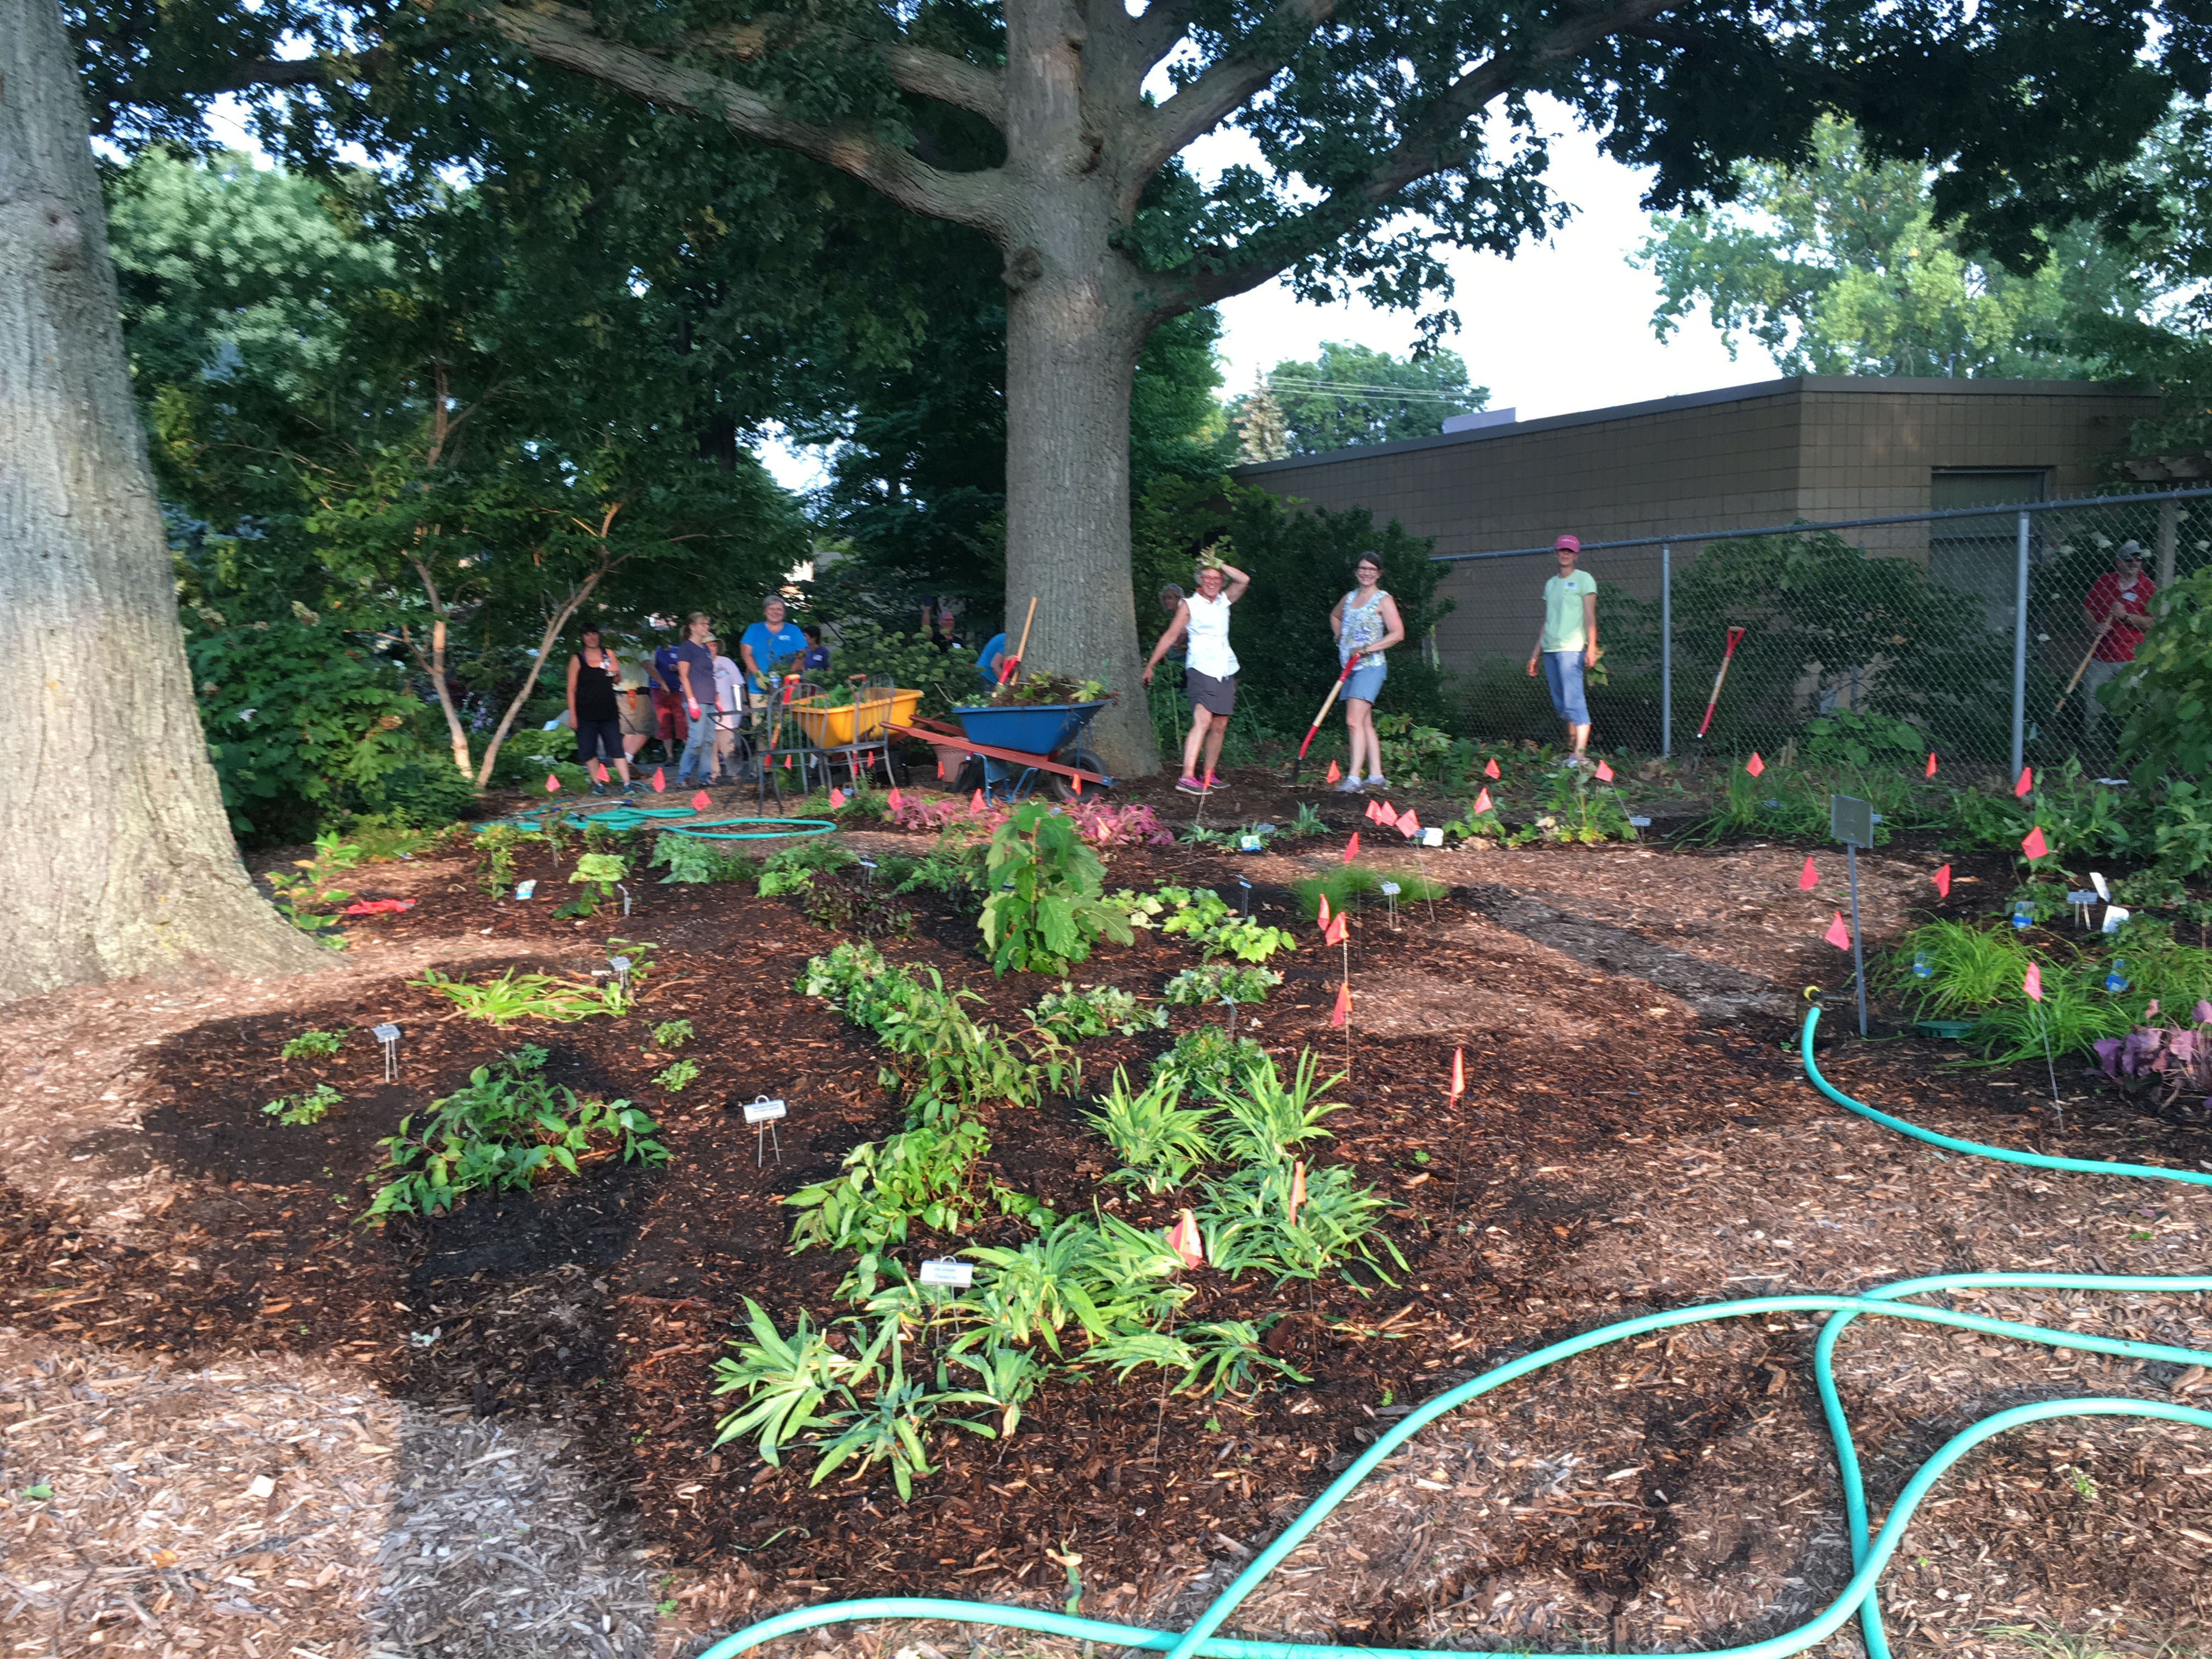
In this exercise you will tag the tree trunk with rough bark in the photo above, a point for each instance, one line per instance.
(116, 858)
(1073, 327)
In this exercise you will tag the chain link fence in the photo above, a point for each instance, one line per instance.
(1968, 625)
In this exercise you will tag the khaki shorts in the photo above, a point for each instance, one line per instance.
(635, 710)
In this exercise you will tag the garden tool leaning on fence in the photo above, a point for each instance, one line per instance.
(1728, 655)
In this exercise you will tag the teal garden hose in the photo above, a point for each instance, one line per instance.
(676, 820)
(1869, 1555)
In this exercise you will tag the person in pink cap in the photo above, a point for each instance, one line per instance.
(1568, 644)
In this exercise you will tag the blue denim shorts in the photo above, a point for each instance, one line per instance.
(1366, 681)
(1563, 673)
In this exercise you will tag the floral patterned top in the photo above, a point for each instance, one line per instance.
(1362, 626)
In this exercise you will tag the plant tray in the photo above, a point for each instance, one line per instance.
(1949, 1030)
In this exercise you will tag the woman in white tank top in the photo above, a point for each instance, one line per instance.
(1209, 666)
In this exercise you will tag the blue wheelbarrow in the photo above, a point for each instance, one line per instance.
(1018, 744)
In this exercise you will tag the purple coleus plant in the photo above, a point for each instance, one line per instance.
(2179, 1057)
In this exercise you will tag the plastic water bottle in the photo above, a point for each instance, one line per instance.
(2023, 914)
(1922, 967)
(2115, 981)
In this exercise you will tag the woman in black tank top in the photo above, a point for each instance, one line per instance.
(593, 710)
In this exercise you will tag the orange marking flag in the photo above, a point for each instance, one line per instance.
(1943, 882)
(2032, 843)
(1351, 847)
(1808, 878)
(1342, 1012)
(1754, 765)
(1837, 934)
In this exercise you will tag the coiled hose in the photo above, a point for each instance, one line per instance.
(1869, 1555)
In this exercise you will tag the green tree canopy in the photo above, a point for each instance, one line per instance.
(1838, 266)
(1356, 395)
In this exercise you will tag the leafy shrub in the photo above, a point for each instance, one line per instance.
(310, 1107)
(1072, 1015)
(1159, 1141)
(857, 907)
(497, 1131)
(919, 1176)
(1219, 982)
(957, 874)
(691, 860)
(672, 1034)
(1861, 740)
(677, 1077)
(1044, 909)
(309, 1044)
(311, 900)
(496, 845)
(425, 794)
(597, 874)
(1208, 1058)
(1413, 753)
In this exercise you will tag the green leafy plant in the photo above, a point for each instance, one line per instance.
(1307, 822)
(310, 1107)
(672, 1034)
(1861, 740)
(1227, 1356)
(690, 860)
(1208, 1056)
(1246, 1222)
(1969, 968)
(1268, 1120)
(1247, 939)
(1072, 1015)
(1045, 907)
(498, 1132)
(1412, 752)
(921, 1174)
(309, 1044)
(496, 846)
(597, 874)
(2165, 705)
(856, 907)
(956, 873)
(620, 993)
(1219, 982)
(516, 995)
(677, 1077)
(312, 899)
(1159, 1141)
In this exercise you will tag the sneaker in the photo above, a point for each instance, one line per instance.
(629, 786)
(1212, 782)
(1190, 786)
(1350, 786)
(598, 789)
(1376, 780)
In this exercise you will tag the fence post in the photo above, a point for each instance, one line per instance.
(2020, 648)
(2169, 536)
(1666, 649)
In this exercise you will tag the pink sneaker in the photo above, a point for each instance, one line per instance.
(1190, 786)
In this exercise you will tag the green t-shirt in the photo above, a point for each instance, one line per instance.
(1563, 611)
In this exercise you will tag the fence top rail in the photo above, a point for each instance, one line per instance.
(1996, 509)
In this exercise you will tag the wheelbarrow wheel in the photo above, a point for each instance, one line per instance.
(1078, 756)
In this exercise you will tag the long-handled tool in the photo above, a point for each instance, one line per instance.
(1726, 656)
(1298, 759)
(1008, 664)
(2084, 668)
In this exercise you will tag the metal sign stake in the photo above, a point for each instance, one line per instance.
(388, 1037)
(762, 1112)
(1851, 822)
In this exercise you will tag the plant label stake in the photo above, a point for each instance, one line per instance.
(620, 965)
(943, 1270)
(1231, 1004)
(1390, 899)
(1851, 821)
(387, 1038)
(869, 865)
(523, 889)
(2080, 901)
(762, 1113)
(1246, 886)
(624, 891)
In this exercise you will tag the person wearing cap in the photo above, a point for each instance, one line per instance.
(1568, 644)
(2118, 606)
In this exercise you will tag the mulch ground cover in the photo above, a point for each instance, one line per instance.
(599, 1302)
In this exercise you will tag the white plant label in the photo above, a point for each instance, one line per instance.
(1248, 843)
(1432, 837)
(764, 1111)
(2083, 896)
(384, 1033)
(2114, 915)
(620, 964)
(959, 1275)
(2097, 881)
(1390, 889)
(523, 889)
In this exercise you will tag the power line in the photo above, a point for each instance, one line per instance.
(1358, 389)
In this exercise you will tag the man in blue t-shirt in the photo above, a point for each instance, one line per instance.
(770, 649)
(994, 658)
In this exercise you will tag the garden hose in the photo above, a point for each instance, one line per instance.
(675, 820)
(1870, 1556)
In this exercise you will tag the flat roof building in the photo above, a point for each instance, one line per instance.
(1811, 447)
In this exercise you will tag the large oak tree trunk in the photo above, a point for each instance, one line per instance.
(115, 855)
(1073, 325)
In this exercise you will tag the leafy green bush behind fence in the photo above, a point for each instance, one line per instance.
(1926, 637)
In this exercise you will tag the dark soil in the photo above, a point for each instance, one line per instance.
(602, 1300)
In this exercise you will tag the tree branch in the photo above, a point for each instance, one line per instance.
(1153, 34)
(1227, 86)
(561, 35)
(917, 70)
(1429, 146)
(247, 73)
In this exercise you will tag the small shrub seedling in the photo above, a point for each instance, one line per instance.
(598, 875)
(498, 1132)
(1219, 982)
(311, 899)
(675, 1078)
(1072, 1015)
(672, 1034)
(1159, 1141)
(310, 1107)
(919, 1176)
(1208, 1057)
(495, 848)
(1045, 907)
(309, 1044)
(688, 858)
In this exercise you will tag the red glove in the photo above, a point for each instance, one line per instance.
(695, 711)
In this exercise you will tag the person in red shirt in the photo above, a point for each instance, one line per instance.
(2119, 602)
